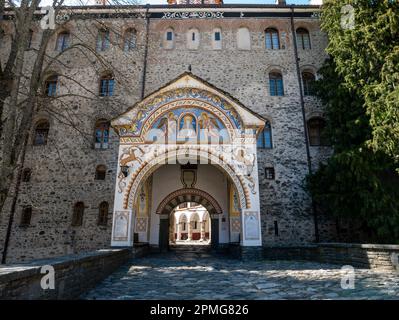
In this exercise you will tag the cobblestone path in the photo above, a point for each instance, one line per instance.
(173, 276)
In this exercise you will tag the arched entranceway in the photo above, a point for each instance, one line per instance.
(193, 121)
(174, 199)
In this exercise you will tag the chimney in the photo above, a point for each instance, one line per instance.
(281, 2)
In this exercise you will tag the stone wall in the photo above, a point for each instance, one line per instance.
(357, 255)
(63, 170)
(73, 274)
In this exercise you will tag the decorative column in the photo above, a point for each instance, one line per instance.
(163, 232)
(178, 231)
(203, 230)
(189, 230)
(214, 231)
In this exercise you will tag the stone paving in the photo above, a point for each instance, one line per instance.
(200, 276)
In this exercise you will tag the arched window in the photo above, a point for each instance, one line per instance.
(169, 39)
(107, 85)
(272, 39)
(265, 137)
(30, 38)
(100, 172)
(41, 133)
(78, 211)
(102, 40)
(193, 39)
(217, 39)
(26, 174)
(26, 216)
(129, 40)
(2, 37)
(276, 84)
(308, 80)
(103, 213)
(243, 39)
(50, 86)
(303, 38)
(62, 41)
(316, 127)
(101, 134)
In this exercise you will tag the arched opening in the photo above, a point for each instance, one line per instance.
(185, 219)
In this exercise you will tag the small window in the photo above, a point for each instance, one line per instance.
(30, 38)
(62, 41)
(2, 37)
(103, 40)
(107, 86)
(193, 39)
(217, 36)
(100, 172)
(78, 211)
(129, 40)
(276, 84)
(103, 213)
(41, 133)
(303, 38)
(26, 174)
(308, 80)
(269, 173)
(195, 224)
(169, 36)
(272, 39)
(51, 86)
(217, 39)
(265, 137)
(101, 134)
(276, 228)
(316, 129)
(26, 216)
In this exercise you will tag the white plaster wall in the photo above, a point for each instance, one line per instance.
(209, 179)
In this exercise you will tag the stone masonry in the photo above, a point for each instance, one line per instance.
(63, 170)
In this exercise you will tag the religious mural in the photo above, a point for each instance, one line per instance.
(188, 124)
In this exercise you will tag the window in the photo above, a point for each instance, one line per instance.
(103, 213)
(308, 80)
(316, 127)
(193, 39)
(303, 38)
(101, 134)
(265, 137)
(169, 39)
(100, 172)
(62, 41)
(276, 228)
(269, 173)
(195, 224)
(272, 39)
(30, 38)
(26, 173)
(129, 40)
(243, 39)
(276, 84)
(51, 86)
(2, 37)
(107, 85)
(41, 133)
(217, 39)
(102, 40)
(26, 216)
(78, 211)
(169, 36)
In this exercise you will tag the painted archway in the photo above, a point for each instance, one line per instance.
(180, 196)
(188, 119)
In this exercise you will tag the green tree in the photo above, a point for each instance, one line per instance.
(359, 88)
